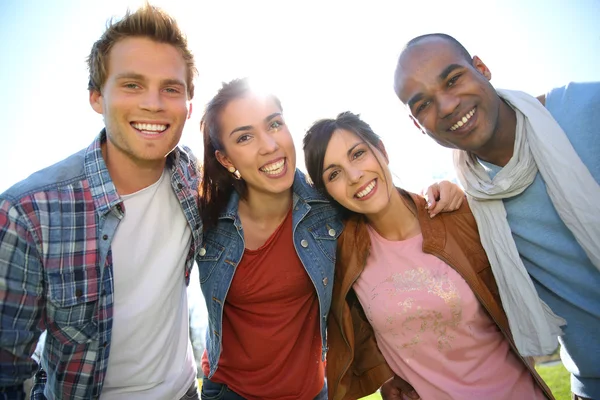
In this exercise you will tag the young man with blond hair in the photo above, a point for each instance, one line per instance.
(530, 168)
(97, 249)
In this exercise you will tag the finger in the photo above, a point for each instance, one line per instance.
(390, 394)
(432, 195)
(457, 203)
(406, 388)
(441, 205)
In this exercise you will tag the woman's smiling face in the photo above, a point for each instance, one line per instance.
(258, 144)
(355, 173)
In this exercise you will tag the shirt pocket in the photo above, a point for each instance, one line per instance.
(208, 258)
(326, 234)
(72, 307)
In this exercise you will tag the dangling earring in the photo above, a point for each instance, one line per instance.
(236, 174)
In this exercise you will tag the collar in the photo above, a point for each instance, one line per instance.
(302, 189)
(104, 192)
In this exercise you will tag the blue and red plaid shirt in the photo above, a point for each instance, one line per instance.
(56, 270)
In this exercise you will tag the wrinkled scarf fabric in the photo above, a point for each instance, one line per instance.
(540, 144)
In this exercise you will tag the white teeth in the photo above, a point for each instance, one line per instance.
(150, 128)
(463, 120)
(275, 168)
(366, 190)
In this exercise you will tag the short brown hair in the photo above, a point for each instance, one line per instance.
(149, 22)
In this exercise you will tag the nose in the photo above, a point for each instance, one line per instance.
(354, 175)
(447, 104)
(152, 101)
(268, 144)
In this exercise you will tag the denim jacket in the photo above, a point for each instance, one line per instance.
(316, 227)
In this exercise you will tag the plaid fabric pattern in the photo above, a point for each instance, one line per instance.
(56, 269)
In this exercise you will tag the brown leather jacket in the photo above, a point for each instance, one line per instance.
(355, 366)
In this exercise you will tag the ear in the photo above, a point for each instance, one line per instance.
(482, 68)
(190, 111)
(96, 101)
(223, 159)
(419, 127)
(381, 148)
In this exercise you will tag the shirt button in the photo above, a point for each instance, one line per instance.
(179, 186)
(303, 243)
(104, 237)
(105, 344)
(202, 252)
(325, 280)
(78, 292)
(331, 232)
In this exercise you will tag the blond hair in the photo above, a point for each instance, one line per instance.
(149, 22)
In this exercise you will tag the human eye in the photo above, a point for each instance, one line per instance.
(172, 90)
(422, 106)
(131, 85)
(275, 125)
(358, 153)
(453, 80)
(243, 138)
(332, 175)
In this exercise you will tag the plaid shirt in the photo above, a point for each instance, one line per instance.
(56, 229)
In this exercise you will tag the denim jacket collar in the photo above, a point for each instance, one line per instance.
(302, 189)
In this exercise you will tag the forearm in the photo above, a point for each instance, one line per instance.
(21, 289)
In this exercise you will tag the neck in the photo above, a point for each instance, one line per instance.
(499, 149)
(396, 221)
(266, 207)
(127, 174)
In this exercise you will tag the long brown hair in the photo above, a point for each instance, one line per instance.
(217, 183)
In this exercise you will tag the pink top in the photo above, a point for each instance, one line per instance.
(432, 330)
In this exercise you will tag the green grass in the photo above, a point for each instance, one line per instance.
(556, 377)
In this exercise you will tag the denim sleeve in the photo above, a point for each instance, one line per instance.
(21, 296)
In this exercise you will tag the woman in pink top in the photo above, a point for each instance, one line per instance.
(425, 292)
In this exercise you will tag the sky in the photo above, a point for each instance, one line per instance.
(320, 57)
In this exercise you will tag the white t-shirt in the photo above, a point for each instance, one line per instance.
(151, 355)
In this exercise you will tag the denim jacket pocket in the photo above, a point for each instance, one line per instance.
(71, 308)
(326, 234)
(208, 257)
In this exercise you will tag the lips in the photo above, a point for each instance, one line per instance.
(464, 120)
(366, 189)
(274, 168)
(149, 128)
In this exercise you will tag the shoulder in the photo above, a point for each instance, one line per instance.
(187, 161)
(305, 190)
(461, 221)
(65, 172)
(573, 95)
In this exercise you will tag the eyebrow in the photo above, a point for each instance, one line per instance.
(139, 77)
(350, 150)
(448, 70)
(441, 77)
(249, 127)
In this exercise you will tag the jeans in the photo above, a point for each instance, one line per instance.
(192, 393)
(219, 391)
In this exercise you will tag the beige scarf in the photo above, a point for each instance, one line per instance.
(540, 144)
